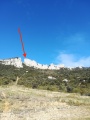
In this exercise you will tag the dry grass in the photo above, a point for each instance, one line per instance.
(75, 99)
(20, 103)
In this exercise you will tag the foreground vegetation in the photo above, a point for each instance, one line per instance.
(22, 103)
(76, 80)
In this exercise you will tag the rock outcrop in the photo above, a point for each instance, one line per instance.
(32, 63)
(12, 61)
(17, 62)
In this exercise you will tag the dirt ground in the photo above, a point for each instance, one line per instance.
(20, 103)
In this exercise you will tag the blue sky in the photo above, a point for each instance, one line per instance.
(53, 31)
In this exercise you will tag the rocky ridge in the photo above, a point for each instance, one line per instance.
(17, 62)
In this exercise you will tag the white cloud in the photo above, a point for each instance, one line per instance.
(70, 60)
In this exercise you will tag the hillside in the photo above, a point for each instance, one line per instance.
(56, 95)
(76, 80)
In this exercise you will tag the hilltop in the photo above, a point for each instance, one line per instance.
(17, 62)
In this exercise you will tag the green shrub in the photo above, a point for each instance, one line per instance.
(69, 89)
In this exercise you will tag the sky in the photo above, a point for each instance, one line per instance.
(53, 31)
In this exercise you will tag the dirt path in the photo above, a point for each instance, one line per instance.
(19, 103)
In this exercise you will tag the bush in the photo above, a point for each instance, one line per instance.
(69, 89)
(4, 81)
(53, 88)
(34, 86)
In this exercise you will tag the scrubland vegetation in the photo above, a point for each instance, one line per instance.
(78, 79)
